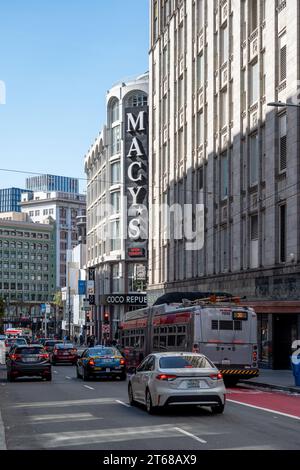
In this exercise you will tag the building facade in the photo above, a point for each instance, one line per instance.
(10, 199)
(214, 141)
(50, 183)
(27, 269)
(116, 168)
(63, 208)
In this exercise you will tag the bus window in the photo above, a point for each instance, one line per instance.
(181, 341)
(171, 340)
(162, 341)
(155, 342)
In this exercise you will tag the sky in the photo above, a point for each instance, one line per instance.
(58, 58)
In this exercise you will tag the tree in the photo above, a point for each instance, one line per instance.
(2, 311)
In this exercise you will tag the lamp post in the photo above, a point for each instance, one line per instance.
(281, 104)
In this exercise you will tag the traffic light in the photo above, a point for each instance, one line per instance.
(91, 300)
(106, 317)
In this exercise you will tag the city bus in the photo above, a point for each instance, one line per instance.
(217, 327)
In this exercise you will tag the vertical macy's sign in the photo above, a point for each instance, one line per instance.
(136, 166)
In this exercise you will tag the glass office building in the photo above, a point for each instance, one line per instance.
(10, 199)
(53, 183)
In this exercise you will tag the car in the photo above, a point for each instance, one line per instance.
(28, 360)
(11, 342)
(177, 378)
(101, 361)
(64, 352)
(50, 343)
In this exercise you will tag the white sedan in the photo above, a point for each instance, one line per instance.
(172, 379)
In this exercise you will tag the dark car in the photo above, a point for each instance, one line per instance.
(50, 343)
(101, 361)
(28, 360)
(64, 352)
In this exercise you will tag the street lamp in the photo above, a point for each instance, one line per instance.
(281, 104)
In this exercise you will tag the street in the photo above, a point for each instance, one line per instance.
(69, 413)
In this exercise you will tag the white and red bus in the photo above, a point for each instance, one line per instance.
(225, 332)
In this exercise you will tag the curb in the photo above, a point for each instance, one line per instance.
(2, 435)
(283, 388)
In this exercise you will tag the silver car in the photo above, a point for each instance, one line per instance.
(180, 378)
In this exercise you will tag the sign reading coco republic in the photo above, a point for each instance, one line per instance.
(136, 168)
(124, 299)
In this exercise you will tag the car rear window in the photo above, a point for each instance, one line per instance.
(182, 362)
(104, 352)
(27, 351)
(64, 346)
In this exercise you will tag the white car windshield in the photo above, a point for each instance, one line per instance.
(185, 362)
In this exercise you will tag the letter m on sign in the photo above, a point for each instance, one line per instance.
(136, 125)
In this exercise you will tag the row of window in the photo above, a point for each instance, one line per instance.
(6, 255)
(25, 287)
(20, 296)
(26, 266)
(14, 233)
(19, 245)
(20, 276)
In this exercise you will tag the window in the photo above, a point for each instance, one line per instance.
(282, 57)
(223, 108)
(224, 44)
(115, 173)
(200, 128)
(254, 85)
(155, 21)
(115, 278)
(282, 143)
(115, 202)
(224, 176)
(115, 111)
(254, 263)
(115, 235)
(200, 70)
(116, 142)
(224, 249)
(253, 15)
(282, 233)
(254, 159)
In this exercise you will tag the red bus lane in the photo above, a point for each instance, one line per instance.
(275, 402)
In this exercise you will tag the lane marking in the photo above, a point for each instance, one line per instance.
(182, 431)
(264, 409)
(64, 403)
(69, 378)
(55, 372)
(124, 404)
(63, 417)
(90, 388)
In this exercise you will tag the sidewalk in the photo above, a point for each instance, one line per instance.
(275, 379)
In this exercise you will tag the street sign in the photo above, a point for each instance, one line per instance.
(43, 308)
(48, 308)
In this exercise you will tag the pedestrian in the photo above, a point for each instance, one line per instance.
(88, 341)
(81, 341)
(92, 341)
(75, 339)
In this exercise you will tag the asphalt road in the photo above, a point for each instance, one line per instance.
(68, 413)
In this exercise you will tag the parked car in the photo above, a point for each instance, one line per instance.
(64, 352)
(28, 360)
(171, 379)
(2, 337)
(101, 361)
(50, 343)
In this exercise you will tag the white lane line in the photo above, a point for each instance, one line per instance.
(264, 409)
(65, 403)
(90, 388)
(55, 372)
(122, 403)
(69, 378)
(182, 431)
(63, 417)
(2, 435)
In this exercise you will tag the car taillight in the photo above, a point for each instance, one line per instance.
(44, 356)
(254, 356)
(91, 362)
(166, 377)
(218, 376)
(122, 362)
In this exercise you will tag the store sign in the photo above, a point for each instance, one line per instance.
(124, 299)
(136, 252)
(136, 171)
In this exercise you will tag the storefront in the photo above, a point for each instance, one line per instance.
(278, 326)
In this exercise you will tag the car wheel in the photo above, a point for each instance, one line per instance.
(86, 375)
(49, 378)
(132, 401)
(218, 409)
(10, 378)
(149, 406)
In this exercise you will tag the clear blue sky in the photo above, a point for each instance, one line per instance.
(58, 58)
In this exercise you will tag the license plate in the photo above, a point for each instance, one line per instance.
(107, 369)
(29, 359)
(193, 384)
(97, 368)
(106, 360)
(226, 362)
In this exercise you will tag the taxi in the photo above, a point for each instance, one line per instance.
(101, 361)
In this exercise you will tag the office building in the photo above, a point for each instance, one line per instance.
(50, 183)
(10, 199)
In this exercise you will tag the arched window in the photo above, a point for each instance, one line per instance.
(114, 111)
(137, 100)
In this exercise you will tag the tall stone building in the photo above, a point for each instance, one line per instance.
(214, 67)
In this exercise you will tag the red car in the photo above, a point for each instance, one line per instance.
(64, 352)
